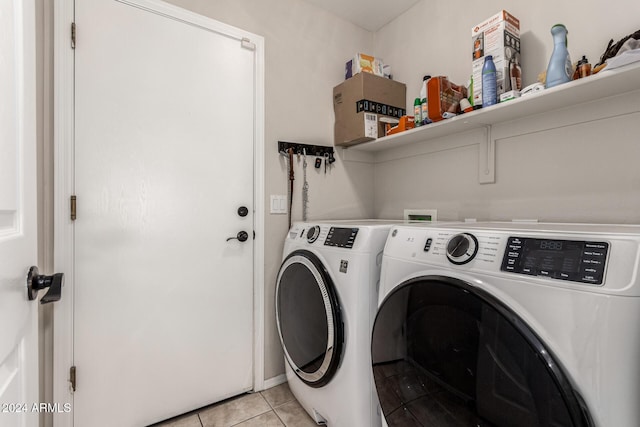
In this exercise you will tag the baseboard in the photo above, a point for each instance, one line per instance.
(272, 382)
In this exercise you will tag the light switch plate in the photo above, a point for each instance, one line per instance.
(278, 204)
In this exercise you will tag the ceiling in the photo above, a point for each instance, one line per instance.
(368, 14)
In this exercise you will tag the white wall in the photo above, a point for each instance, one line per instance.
(305, 50)
(549, 167)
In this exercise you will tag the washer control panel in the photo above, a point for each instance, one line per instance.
(341, 237)
(573, 260)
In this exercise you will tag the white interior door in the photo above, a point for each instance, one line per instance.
(164, 139)
(18, 228)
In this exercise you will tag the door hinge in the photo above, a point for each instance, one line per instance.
(247, 44)
(72, 378)
(73, 35)
(73, 207)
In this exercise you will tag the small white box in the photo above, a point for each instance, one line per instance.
(362, 63)
(508, 96)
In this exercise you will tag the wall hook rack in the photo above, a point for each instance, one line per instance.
(312, 150)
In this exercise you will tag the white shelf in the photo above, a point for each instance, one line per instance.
(602, 85)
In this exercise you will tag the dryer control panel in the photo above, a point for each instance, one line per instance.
(341, 237)
(573, 260)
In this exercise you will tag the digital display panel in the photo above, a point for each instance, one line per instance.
(341, 237)
(551, 255)
(573, 260)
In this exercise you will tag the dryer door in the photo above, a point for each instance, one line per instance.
(445, 353)
(308, 318)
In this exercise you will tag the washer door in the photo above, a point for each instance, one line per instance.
(308, 318)
(447, 354)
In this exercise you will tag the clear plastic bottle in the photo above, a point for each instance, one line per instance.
(489, 89)
(424, 101)
(559, 70)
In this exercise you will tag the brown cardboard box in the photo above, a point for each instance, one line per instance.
(359, 102)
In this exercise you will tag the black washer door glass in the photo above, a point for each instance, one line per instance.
(308, 318)
(447, 354)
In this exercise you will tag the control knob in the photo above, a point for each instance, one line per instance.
(313, 233)
(462, 248)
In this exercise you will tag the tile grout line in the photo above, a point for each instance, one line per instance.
(273, 408)
(281, 420)
(258, 415)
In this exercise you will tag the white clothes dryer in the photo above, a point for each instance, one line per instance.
(509, 324)
(326, 300)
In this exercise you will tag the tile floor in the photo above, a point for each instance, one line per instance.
(275, 407)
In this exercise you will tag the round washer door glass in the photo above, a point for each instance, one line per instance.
(446, 353)
(308, 318)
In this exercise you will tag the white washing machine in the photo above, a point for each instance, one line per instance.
(509, 324)
(326, 299)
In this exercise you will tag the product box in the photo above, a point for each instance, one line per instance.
(358, 104)
(498, 36)
(362, 63)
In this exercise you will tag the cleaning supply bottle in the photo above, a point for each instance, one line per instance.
(559, 70)
(417, 112)
(489, 89)
(424, 102)
(583, 68)
(515, 73)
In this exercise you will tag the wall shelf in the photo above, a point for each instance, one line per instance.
(602, 85)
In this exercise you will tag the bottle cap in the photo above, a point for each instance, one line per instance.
(426, 78)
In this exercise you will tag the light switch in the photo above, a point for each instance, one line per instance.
(278, 204)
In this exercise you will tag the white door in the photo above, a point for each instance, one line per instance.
(18, 315)
(163, 301)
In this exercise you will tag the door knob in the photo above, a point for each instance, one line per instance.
(37, 281)
(241, 236)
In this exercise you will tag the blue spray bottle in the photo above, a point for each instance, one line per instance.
(559, 70)
(489, 89)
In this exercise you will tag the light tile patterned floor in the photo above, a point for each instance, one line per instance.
(275, 407)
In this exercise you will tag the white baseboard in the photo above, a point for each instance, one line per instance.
(272, 382)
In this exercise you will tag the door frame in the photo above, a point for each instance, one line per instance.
(64, 177)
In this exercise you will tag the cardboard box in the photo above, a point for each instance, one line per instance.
(360, 101)
(498, 36)
(362, 63)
